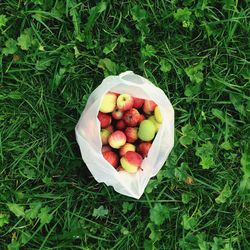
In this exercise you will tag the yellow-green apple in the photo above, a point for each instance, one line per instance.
(143, 148)
(131, 134)
(131, 117)
(117, 114)
(104, 119)
(108, 102)
(125, 148)
(138, 102)
(157, 124)
(158, 116)
(149, 106)
(105, 136)
(111, 157)
(147, 130)
(131, 161)
(106, 148)
(125, 102)
(120, 125)
(117, 139)
(142, 118)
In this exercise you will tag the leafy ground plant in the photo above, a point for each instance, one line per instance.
(52, 56)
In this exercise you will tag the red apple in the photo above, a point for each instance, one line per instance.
(105, 136)
(138, 102)
(106, 148)
(143, 148)
(142, 118)
(131, 134)
(117, 114)
(131, 117)
(120, 125)
(149, 106)
(110, 128)
(111, 157)
(104, 119)
(120, 168)
(125, 102)
(117, 139)
(125, 148)
(131, 161)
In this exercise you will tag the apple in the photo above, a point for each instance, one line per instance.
(158, 116)
(143, 148)
(110, 128)
(131, 117)
(138, 102)
(120, 125)
(117, 114)
(131, 134)
(117, 139)
(125, 102)
(106, 148)
(157, 124)
(142, 118)
(108, 102)
(104, 119)
(149, 106)
(120, 168)
(147, 130)
(105, 136)
(125, 148)
(111, 157)
(131, 161)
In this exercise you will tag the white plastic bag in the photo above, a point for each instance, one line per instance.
(89, 140)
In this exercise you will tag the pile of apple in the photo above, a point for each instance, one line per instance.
(128, 127)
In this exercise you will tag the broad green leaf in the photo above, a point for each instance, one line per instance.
(148, 51)
(44, 215)
(4, 219)
(43, 64)
(155, 234)
(25, 237)
(126, 206)
(219, 114)
(10, 47)
(67, 59)
(205, 152)
(188, 222)
(138, 13)
(194, 73)
(165, 65)
(100, 212)
(224, 195)
(245, 181)
(3, 21)
(109, 67)
(238, 103)
(109, 48)
(226, 145)
(33, 211)
(159, 213)
(181, 172)
(14, 245)
(186, 197)
(182, 14)
(16, 209)
(188, 135)
(25, 39)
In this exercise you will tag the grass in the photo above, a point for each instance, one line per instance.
(54, 54)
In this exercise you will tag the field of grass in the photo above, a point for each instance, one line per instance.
(54, 53)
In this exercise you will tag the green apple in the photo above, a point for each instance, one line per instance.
(108, 103)
(157, 124)
(147, 130)
(158, 116)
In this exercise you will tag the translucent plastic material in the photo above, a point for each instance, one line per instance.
(89, 140)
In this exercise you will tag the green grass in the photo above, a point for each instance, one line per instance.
(52, 56)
